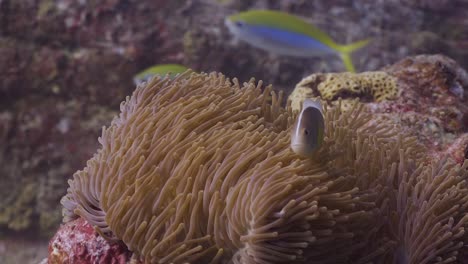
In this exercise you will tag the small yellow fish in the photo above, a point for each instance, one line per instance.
(308, 131)
(160, 70)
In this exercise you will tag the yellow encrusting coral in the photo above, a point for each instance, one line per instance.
(378, 86)
(198, 169)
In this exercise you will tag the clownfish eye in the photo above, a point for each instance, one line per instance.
(239, 23)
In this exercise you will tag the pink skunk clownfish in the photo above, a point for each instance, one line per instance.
(308, 131)
(286, 34)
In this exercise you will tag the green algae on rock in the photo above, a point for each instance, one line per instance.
(199, 169)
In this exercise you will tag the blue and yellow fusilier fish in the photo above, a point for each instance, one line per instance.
(308, 131)
(161, 70)
(286, 34)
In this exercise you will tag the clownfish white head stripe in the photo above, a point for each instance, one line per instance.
(308, 131)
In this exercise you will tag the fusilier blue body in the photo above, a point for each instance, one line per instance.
(279, 41)
(285, 34)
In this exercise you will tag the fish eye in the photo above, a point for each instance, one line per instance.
(306, 132)
(239, 23)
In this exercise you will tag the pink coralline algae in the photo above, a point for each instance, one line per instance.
(77, 242)
(433, 102)
(458, 149)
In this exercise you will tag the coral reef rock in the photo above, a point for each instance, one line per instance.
(62, 77)
(430, 98)
(88, 52)
(77, 242)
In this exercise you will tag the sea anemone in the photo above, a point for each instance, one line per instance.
(199, 169)
(429, 213)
